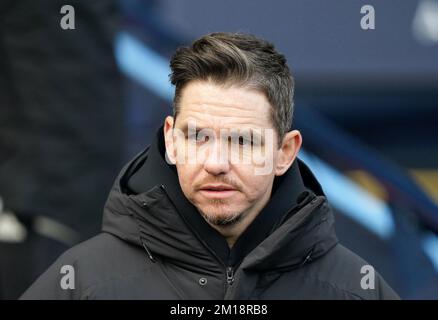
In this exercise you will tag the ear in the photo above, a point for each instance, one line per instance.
(168, 139)
(288, 151)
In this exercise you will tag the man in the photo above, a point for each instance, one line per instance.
(219, 206)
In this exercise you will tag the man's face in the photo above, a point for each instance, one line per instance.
(225, 149)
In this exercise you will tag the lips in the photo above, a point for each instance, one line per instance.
(218, 191)
(218, 188)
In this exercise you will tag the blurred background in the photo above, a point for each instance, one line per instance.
(76, 104)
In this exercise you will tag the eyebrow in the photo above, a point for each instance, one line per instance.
(185, 128)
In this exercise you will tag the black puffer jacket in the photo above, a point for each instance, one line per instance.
(155, 245)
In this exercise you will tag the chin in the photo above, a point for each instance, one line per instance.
(221, 219)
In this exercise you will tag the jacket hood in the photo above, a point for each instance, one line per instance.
(146, 207)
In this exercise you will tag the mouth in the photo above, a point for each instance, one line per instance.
(218, 191)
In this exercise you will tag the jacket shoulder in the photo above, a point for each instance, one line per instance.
(81, 268)
(351, 276)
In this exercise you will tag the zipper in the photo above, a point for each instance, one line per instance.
(308, 258)
(230, 275)
(151, 257)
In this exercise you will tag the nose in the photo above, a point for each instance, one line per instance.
(217, 161)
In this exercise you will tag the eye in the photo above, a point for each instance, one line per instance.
(199, 137)
(245, 141)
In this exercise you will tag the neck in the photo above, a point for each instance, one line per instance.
(232, 233)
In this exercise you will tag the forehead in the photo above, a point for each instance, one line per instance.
(216, 106)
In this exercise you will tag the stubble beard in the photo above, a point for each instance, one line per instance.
(221, 220)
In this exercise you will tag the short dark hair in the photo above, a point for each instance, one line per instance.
(237, 59)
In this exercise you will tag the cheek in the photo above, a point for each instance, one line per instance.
(187, 176)
(255, 186)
